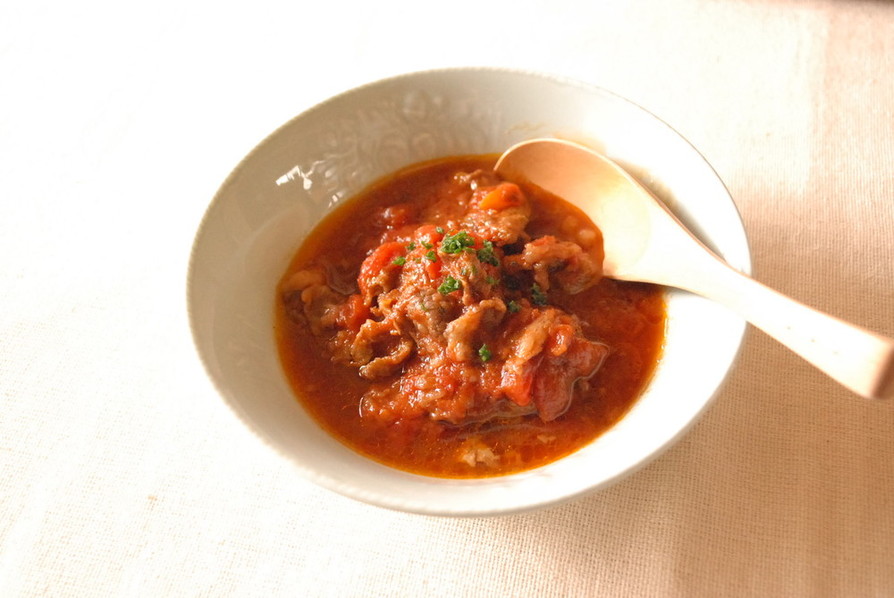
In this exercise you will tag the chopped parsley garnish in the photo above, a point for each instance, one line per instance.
(513, 306)
(411, 246)
(458, 242)
(491, 280)
(431, 255)
(440, 230)
(486, 254)
(538, 297)
(427, 245)
(449, 285)
(484, 353)
(399, 261)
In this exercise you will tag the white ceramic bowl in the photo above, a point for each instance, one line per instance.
(283, 187)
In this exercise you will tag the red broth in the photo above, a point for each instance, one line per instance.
(450, 324)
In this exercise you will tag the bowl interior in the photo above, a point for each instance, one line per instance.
(274, 197)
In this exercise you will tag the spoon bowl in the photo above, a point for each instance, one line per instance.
(644, 241)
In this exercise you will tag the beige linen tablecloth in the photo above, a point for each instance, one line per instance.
(122, 474)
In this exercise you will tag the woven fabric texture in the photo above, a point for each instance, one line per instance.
(122, 474)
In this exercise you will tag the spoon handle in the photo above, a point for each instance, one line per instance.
(644, 241)
(860, 359)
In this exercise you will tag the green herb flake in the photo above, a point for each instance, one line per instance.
(449, 285)
(486, 254)
(440, 230)
(491, 280)
(538, 297)
(431, 255)
(427, 245)
(513, 306)
(411, 246)
(484, 353)
(399, 261)
(457, 243)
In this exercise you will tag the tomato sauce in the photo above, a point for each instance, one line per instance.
(435, 397)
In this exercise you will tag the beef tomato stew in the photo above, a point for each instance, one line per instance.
(449, 323)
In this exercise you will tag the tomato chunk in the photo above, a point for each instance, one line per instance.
(381, 262)
(353, 313)
(504, 195)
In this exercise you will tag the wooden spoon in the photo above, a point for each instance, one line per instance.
(645, 242)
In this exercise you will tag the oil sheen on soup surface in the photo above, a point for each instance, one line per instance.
(448, 323)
